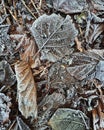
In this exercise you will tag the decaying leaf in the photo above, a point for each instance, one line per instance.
(86, 64)
(5, 104)
(67, 6)
(7, 76)
(54, 36)
(69, 119)
(26, 90)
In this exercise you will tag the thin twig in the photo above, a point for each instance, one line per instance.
(35, 7)
(40, 4)
(3, 19)
(13, 16)
(15, 13)
(2, 88)
(28, 9)
(12, 125)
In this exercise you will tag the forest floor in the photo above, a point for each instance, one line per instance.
(52, 65)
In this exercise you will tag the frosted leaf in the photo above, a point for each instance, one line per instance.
(87, 64)
(67, 6)
(54, 36)
(68, 119)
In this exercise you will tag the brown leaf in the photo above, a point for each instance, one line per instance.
(26, 89)
(28, 46)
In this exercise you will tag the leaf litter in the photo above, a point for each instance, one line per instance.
(51, 65)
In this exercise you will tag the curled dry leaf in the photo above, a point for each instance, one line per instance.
(94, 32)
(26, 90)
(54, 36)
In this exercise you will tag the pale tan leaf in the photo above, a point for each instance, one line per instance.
(26, 90)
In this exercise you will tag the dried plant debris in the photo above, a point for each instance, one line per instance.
(54, 36)
(86, 64)
(7, 76)
(5, 104)
(21, 125)
(26, 90)
(94, 33)
(91, 99)
(67, 6)
(67, 119)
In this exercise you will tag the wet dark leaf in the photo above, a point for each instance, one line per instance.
(54, 36)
